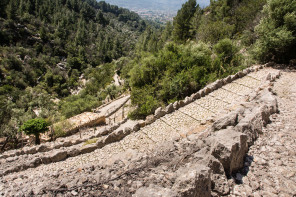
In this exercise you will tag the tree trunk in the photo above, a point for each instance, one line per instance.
(37, 139)
(6, 141)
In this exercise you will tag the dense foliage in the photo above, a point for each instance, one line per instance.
(177, 71)
(277, 32)
(200, 46)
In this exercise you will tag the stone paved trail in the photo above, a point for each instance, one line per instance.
(191, 118)
(271, 161)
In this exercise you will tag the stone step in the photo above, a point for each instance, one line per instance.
(248, 82)
(237, 89)
(160, 131)
(211, 103)
(197, 112)
(181, 122)
(226, 96)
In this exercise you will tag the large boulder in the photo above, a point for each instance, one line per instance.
(253, 122)
(193, 180)
(229, 119)
(229, 147)
(268, 99)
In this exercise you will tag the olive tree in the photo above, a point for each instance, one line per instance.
(35, 127)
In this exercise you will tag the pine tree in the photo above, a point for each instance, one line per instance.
(11, 10)
(182, 21)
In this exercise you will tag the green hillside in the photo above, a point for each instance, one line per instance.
(45, 46)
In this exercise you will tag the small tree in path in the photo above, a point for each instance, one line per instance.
(35, 127)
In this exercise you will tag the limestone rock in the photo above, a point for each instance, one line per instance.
(252, 123)
(207, 90)
(42, 148)
(187, 100)
(181, 103)
(30, 150)
(202, 93)
(229, 147)
(149, 119)
(154, 191)
(169, 109)
(228, 120)
(159, 112)
(176, 105)
(241, 74)
(193, 180)
(196, 96)
(115, 136)
(74, 151)
(88, 148)
(228, 79)
(233, 77)
(58, 155)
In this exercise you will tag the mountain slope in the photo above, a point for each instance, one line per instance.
(46, 46)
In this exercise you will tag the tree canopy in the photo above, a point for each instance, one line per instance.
(35, 127)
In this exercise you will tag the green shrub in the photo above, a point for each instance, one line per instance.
(60, 128)
(77, 104)
(277, 32)
(91, 141)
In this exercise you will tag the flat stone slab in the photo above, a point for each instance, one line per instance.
(197, 112)
(180, 121)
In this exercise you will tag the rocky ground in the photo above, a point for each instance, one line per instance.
(270, 168)
(132, 165)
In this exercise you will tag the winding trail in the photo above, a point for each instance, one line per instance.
(271, 161)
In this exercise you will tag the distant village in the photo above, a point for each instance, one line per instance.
(157, 15)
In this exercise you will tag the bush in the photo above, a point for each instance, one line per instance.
(60, 129)
(77, 104)
(176, 71)
(277, 32)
